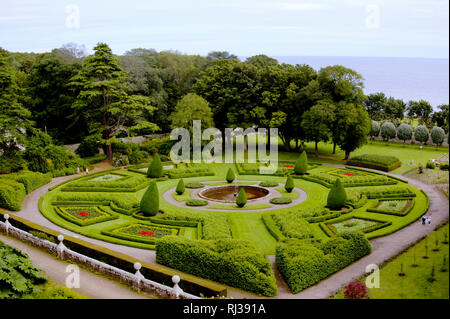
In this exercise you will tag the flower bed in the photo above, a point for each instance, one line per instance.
(398, 207)
(352, 225)
(84, 215)
(350, 180)
(144, 233)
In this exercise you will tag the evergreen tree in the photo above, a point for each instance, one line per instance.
(337, 195)
(241, 199)
(230, 176)
(155, 169)
(180, 187)
(150, 201)
(289, 186)
(301, 166)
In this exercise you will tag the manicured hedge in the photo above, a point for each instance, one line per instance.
(125, 201)
(328, 180)
(82, 176)
(196, 202)
(281, 200)
(304, 264)
(232, 262)
(268, 184)
(127, 183)
(105, 216)
(292, 225)
(332, 230)
(253, 169)
(404, 212)
(375, 161)
(386, 192)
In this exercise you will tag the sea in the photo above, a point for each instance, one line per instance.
(402, 78)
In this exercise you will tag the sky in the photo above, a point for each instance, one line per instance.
(381, 28)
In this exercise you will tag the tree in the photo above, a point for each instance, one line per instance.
(352, 127)
(337, 197)
(394, 109)
(241, 199)
(230, 176)
(375, 104)
(221, 55)
(301, 165)
(388, 131)
(421, 134)
(150, 201)
(289, 185)
(441, 118)
(155, 169)
(375, 129)
(14, 118)
(419, 109)
(192, 107)
(261, 60)
(404, 132)
(180, 187)
(437, 135)
(104, 101)
(317, 121)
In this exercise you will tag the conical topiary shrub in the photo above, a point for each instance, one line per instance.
(230, 176)
(150, 201)
(155, 169)
(289, 186)
(301, 166)
(180, 187)
(337, 195)
(241, 199)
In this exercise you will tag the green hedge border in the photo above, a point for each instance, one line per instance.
(105, 216)
(405, 211)
(114, 232)
(382, 224)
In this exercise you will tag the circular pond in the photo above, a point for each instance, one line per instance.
(228, 193)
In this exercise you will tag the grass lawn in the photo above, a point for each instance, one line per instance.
(415, 284)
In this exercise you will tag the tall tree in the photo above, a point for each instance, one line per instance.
(317, 122)
(192, 107)
(104, 98)
(375, 104)
(441, 118)
(420, 110)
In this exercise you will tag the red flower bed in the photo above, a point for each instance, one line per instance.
(291, 166)
(83, 214)
(146, 233)
(349, 174)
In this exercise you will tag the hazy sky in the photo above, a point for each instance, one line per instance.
(391, 28)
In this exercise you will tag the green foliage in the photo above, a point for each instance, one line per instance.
(281, 200)
(76, 215)
(101, 183)
(194, 185)
(196, 202)
(241, 199)
(191, 107)
(301, 165)
(337, 197)
(404, 132)
(437, 135)
(155, 169)
(289, 185)
(304, 264)
(444, 166)
(292, 224)
(31, 180)
(421, 134)
(180, 187)
(18, 276)
(150, 201)
(388, 131)
(233, 262)
(268, 184)
(195, 171)
(137, 157)
(375, 161)
(89, 146)
(230, 176)
(430, 165)
(375, 129)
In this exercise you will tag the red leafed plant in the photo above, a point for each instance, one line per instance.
(349, 174)
(291, 166)
(355, 290)
(146, 233)
(83, 214)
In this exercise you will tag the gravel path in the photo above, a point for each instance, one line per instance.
(382, 248)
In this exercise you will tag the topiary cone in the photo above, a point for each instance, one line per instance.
(230, 176)
(337, 195)
(289, 186)
(155, 169)
(150, 201)
(241, 199)
(180, 187)
(301, 165)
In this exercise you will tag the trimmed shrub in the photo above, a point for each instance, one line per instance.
(291, 224)
(443, 166)
(241, 199)
(381, 162)
(355, 290)
(89, 146)
(196, 202)
(268, 184)
(388, 131)
(404, 132)
(281, 200)
(375, 129)
(304, 264)
(150, 201)
(430, 165)
(194, 185)
(301, 165)
(230, 176)
(337, 197)
(437, 135)
(232, 262)
(12, 194)
(421, 134)
(180, 187)
(138, 157)
(155, 169)
(289, 186)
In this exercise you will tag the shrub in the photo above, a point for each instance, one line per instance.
(404, 132)
(355, 290)
(437, 135)
(89, 146)
(180, 187)
(31, 180)
(12, 194)
(194, 185)
(241, 199)
(430, 165)
(232, 262)
(150, 201)
(381, 162)
(421, 134)
(196, 202)
(304, 264)
(337, 197)
(230, 176)
(388, 131)
(292, 225)
(137, 157)
(155, 169)
(375, 129)
(281, 200)
(301, 165)
(268, 184)
(443, 166)
(289, 186)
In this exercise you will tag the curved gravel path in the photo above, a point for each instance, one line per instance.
(382, 248)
